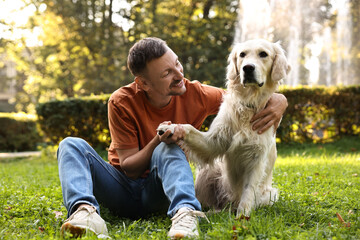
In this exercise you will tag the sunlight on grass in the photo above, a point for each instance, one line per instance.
(318, 184)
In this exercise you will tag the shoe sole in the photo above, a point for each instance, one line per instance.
(74, 230)
(178, 236)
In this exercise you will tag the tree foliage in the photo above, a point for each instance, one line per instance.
(355, 14)
(83, 45)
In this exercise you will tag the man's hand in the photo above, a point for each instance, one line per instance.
(169, 137)
(271, 114)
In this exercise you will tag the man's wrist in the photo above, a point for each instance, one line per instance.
(156, 140)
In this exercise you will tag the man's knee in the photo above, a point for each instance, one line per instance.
(168, 151)
(70, 144)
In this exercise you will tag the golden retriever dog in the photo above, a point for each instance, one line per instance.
(236, 162)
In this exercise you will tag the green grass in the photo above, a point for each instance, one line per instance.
(315, 181)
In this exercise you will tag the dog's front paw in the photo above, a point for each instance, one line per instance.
(243, 209)
(162, 128)
(270, 196)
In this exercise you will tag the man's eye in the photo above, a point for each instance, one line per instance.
(166, 74)
(263, 54)
(242, 54)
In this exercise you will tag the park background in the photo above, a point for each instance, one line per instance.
(61, 60)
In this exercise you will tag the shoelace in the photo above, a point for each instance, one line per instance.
(89, 211)
(192, 214)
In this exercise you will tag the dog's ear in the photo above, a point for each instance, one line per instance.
(232, 70)
(280, 67)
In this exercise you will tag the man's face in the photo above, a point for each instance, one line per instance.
(164, 76)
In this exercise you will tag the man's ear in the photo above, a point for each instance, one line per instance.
(142, 83)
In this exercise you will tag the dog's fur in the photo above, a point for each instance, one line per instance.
(236, 161)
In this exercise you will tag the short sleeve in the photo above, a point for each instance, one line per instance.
(217, 97)
(213, 97)
(122, 127)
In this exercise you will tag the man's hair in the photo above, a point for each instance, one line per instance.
(143, 52)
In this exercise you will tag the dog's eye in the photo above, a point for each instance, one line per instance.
(242, 54)
(263, 54)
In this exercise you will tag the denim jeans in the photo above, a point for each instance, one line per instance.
(86, 178)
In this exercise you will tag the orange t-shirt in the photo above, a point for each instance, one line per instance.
(133, 120)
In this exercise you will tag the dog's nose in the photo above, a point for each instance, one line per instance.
(249, 68)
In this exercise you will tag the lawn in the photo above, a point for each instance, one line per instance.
(319, 199)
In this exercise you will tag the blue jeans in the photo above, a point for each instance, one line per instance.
(86, 178)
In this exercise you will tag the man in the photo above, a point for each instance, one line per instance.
(147, 173)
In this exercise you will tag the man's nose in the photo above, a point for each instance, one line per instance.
(179, 73)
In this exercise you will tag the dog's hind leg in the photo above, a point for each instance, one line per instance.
(208, 187)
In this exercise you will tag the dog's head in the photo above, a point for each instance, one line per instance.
(256, 63)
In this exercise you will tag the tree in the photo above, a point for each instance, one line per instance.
(200, 32)
(84, 44)
(355, 15)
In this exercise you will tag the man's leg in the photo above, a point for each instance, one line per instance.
(170, 171)
(86, 179)
(171, 178)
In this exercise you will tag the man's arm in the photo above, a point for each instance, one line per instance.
(134, 162)
(271, 115)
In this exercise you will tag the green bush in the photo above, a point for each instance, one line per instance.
(320, 114)
(18, 132)
(313, 115)
(78, 117)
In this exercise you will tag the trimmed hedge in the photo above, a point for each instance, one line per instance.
(78, 117)
(314, 114)
(320, 114)
(18, 132)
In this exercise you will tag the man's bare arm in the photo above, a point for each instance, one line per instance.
(271, 114)
(134, 162)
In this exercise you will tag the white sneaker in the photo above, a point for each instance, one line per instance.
(185, 223)
(83, 219)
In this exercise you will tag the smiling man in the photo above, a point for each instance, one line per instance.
(147, 173)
